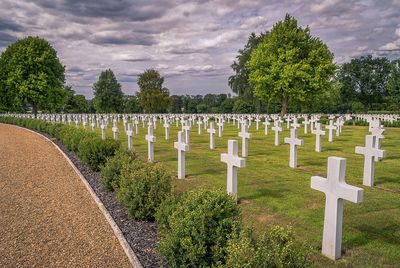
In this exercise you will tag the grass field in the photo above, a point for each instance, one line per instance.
(272, 193)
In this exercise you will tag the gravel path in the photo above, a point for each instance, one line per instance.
(47, 217)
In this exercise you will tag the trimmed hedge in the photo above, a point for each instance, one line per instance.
(111, 171)
(275, 248)
(194, 229)
(94, 151)
(142, 188)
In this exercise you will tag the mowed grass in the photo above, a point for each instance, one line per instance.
(271, 193)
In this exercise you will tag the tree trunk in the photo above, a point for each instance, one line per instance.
(284, 105)
(34, 109)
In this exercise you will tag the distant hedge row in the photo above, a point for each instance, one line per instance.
(199, 228)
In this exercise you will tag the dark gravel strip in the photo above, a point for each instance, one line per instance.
(141, 235)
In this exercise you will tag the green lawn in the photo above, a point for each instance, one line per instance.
(272, 193)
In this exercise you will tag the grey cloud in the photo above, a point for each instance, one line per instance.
(138, 10)
(6, 39)
(6, 24)
(116, 38)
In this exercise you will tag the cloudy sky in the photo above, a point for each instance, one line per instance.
(191, 43)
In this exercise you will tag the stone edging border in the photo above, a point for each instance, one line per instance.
(133, 259)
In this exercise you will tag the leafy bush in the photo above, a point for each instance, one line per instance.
(275, 248)
(142, 187)
(111, 171)
(94, 151)
(73, 137)
(197, 228)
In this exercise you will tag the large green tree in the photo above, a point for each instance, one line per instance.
(108, 96)
(239, 81)
(289, 64)
(364, 79)
(152, 96)
(30, 71)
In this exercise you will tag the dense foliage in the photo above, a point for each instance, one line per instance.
(142, 188)
(289, 64)
(153, 97)
(275, 248)
(111, 171)
(31, 72)
(195, 229)
(108, 96)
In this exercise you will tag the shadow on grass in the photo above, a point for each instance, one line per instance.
(388, 234)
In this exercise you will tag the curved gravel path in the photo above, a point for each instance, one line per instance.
(47, 217)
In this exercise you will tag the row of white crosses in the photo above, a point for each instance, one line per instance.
(334, 186)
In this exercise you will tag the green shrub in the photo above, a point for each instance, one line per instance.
(275, 248)
(73, 137)
(197, 229)
(143, 186)
(94, 151)
(111, 171)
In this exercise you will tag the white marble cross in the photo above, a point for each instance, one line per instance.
(199, 123)
(136, 126)
(103, 127)
(306, 123)
(220, 125)
(266, 124)
(151, 139)
(212, 131)
(378, 133)
(294, 142)
(93, 125)
(245, 135)
(186, 129)
(166, 126)
(129, 133)
(115, 130)
(182, 147)
(288, 122)
(337, 125)
(295, 123)
(369, 152)
(330, 127)
(257, 122)
(318, 132)
(277, 128)
(336, 190)
(233, 161)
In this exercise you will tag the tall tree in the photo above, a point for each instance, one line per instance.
(289, 64)
(364, 79)
(31, 71)
(131, 104)
(108, 96)
(153, 97)
(239, 82)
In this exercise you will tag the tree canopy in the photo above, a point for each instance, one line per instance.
(290, 64)
(364, 79)
(108, 96)
(239, 82)
(153, 98)
(30, 71)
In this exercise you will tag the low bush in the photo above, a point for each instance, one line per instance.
(73, 137)
(196, 230)
(275, 248)
(142, 188)
(94, 151)
(111, 171)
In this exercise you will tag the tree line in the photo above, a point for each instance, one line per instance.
(283, 70)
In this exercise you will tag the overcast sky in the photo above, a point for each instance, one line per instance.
(191, 43)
